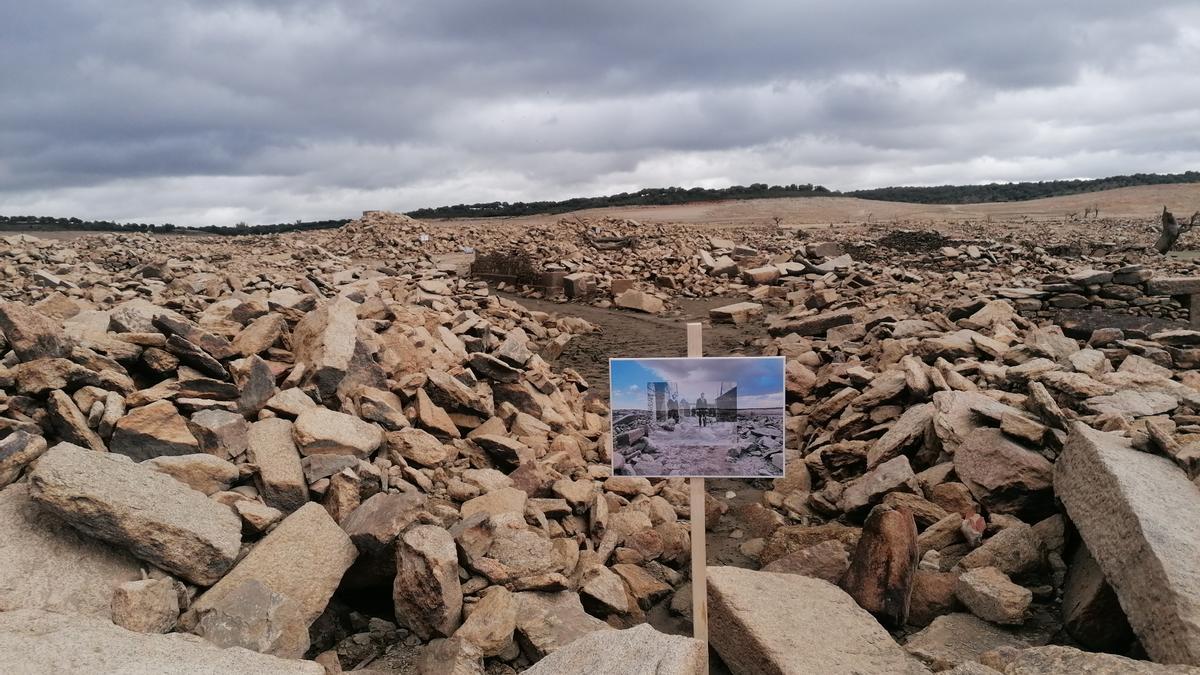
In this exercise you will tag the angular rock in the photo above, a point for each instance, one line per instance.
(69, 422)
(992, 596)
(420, 447)
(427, 593)
(302, 560)
(1016, 550)
(280, 476)
(155, 517)
(640, 650)
(546, 622)
(763, 622)
(1128, 507)
(322, 431)
(1053, 659)
(34, 641)
(882, 567)
(146, 606)
(640, 301)
(220, 432)
(31, 334)
(254, 617)
(47, 564)
(324, 343)
(827, 560)
(17, 451)
(374, 527)
(492, 622)
(153, 430)
(870, 488)
(955, 639)
(1004, 476)
(201, 472)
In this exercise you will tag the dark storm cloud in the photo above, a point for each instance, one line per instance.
(209, 111)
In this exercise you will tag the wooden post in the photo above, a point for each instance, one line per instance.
(695, 348)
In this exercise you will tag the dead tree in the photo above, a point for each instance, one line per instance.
(1172, 229)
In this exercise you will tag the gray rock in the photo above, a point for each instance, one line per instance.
(31, 334)
(427, 593)
(146, 606)
(764, 622)
(640, 650)
(34, 642)
(546, 622)
(1131, 510)
(280, 474)
(156, 517)
(47, 564)
(302, 559)
(953, 639)
(1055, 659)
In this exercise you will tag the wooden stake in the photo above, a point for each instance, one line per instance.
(695, 348)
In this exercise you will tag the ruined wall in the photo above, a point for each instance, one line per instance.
(1125, 290)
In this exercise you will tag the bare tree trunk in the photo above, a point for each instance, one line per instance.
(1171, 230)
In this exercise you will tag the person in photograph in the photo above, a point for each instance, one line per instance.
(702, 410)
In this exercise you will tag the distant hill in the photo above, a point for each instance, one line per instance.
(648, 197)
(670, 196)
(1017, 192)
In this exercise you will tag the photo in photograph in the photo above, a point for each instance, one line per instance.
(710, 417)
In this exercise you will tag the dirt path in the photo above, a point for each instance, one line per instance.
(625, 333)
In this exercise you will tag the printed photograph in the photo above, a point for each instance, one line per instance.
(710, 417)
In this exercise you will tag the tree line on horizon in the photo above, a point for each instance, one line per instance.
(939, 194)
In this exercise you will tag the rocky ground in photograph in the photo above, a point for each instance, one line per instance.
(340, 450)
(751, 445)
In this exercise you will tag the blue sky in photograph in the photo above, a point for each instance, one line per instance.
(759, 380)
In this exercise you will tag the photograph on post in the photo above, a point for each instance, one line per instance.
(710, 417)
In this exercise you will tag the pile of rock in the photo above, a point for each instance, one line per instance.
(251, 466)
(929, 455)
(1124, 290)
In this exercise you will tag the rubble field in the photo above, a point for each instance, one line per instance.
(350, 450)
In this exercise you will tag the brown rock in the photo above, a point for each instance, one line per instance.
(792, 538)
(492, 622)
(147, 606)
(427, 592)
(1004, 476)
(280, 477)
(992, 596)
(153, 430)
(827, 560)
(882, 566)
(932, 596)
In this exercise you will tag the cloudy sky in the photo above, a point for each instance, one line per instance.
(759, 380)
(205, 111)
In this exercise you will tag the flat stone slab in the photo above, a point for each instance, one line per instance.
(1174, 285)
(154, 516)
(766, 622)
(302, 559)
(737, 313)
(1140, 518)
(640, 650)
(38, 642)
(46, 564)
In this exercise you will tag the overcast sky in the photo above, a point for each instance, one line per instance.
(204, 111)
